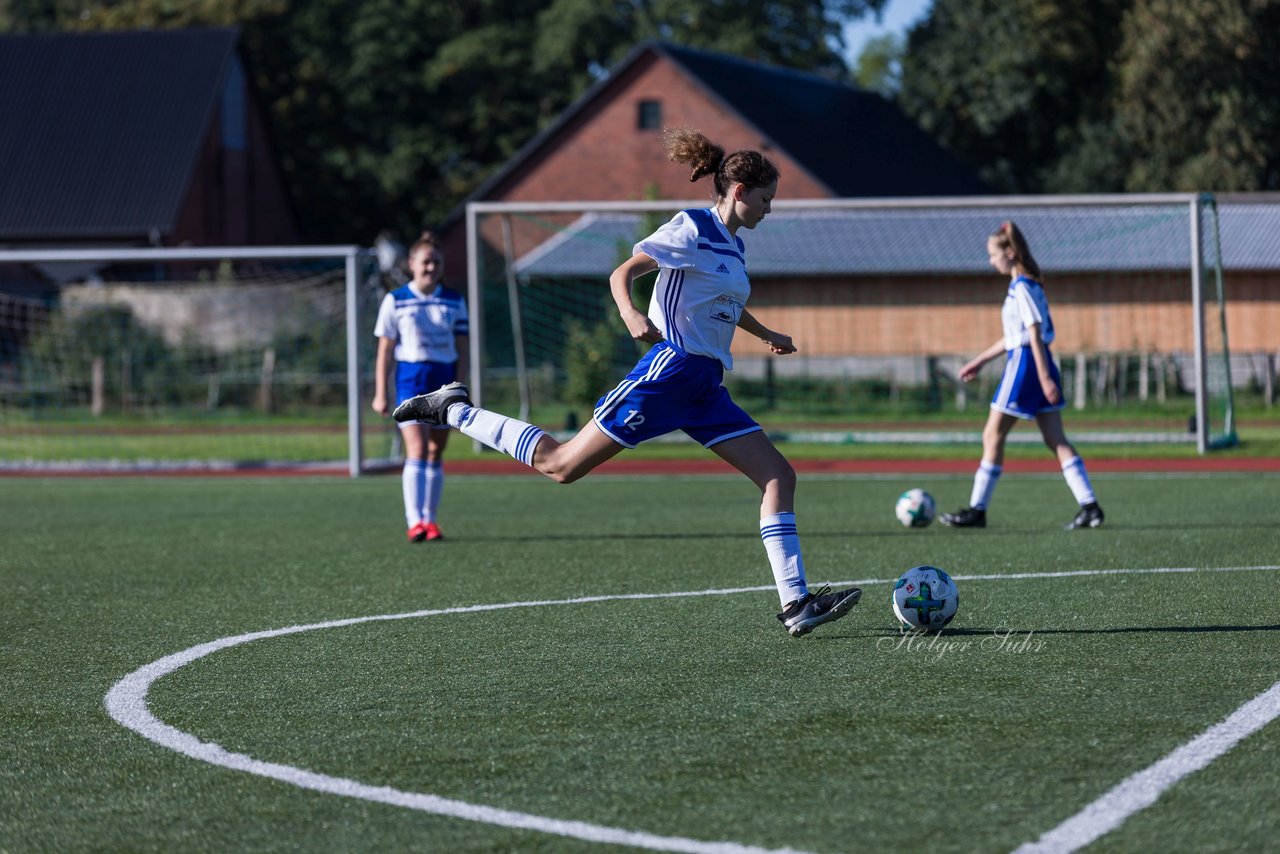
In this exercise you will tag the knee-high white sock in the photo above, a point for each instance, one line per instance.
(434, 486)
(414, 481)
(782, 544)
(1078, 480)
(512, 437)
(984, 483)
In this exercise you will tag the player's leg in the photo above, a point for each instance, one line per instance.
(802, 611)
(1073, 470)
(414, 480)
(568, 461)
(562, 462)
(437, 440)
(990, 467)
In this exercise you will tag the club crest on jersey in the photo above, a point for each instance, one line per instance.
(722, 269)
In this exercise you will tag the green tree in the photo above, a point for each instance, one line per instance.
(878, 67)
(155, 14)
(1102, 96)
(1197, 103)
(26, 16)
(1011, 85)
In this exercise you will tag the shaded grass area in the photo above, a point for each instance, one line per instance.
(691, 716)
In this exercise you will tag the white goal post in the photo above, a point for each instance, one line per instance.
(346, 274)
(926, 251)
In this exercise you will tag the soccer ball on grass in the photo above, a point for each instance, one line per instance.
(925, 598)
(915, 508)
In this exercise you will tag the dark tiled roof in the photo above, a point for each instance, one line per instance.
(940, 241)
(854, 141)
(101, 132)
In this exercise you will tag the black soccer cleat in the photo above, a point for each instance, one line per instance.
(1090, 516)
(813, 609)
(433, 407)
(968, 517)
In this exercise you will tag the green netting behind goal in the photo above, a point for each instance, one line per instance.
(175, 362)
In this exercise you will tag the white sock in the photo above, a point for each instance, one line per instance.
(434, 486)
(1078, 480)
(782, 544)
(512, 437)
(984, 483)
(414, 481)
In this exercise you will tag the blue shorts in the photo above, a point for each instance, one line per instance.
(666, 391)
(415, 378)
(1019, 393)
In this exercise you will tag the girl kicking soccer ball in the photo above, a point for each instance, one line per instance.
(1030, 387)
(698, 302)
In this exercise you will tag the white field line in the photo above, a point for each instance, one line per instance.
(1142, 789)
(126, 703)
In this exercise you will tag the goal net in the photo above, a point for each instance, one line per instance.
(885, 301)
(188, 359)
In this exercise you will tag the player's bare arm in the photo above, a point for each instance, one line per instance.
(779, 344)
(638, 323)
(381, 370)
(969, 372)
(1038, 352)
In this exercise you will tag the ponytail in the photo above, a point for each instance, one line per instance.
(747, 167)
(1009, 237)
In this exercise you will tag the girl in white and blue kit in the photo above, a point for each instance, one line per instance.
(422, 332)
(698, 303)
(1030, 387)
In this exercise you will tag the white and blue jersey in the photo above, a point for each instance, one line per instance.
(701, 291)
(424, 328)
(702, 283)
(1024, 305)
(1020, 393)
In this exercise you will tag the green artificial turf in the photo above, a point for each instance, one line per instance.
(694, 717)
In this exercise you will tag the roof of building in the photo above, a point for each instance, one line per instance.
(901, 241)
(103, 131)
(854, 142)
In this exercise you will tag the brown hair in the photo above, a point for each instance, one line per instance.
(1009, 236)
(427, 240)
(747, 167)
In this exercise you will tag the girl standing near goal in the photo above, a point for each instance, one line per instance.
(1030, 387)
(698, 302)
(422, 332)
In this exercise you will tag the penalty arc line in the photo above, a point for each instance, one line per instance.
(126, 703)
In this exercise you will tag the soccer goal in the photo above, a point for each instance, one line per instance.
(885, 300)
(188, 359)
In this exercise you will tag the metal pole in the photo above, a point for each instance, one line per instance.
(355, 451)
(475, 310)
(517, 321)
(1197, 329)
(1229, 414)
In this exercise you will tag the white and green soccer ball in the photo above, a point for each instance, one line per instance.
(915, 508)
(925, 599)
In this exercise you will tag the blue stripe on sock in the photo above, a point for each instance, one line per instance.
(526, 444)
